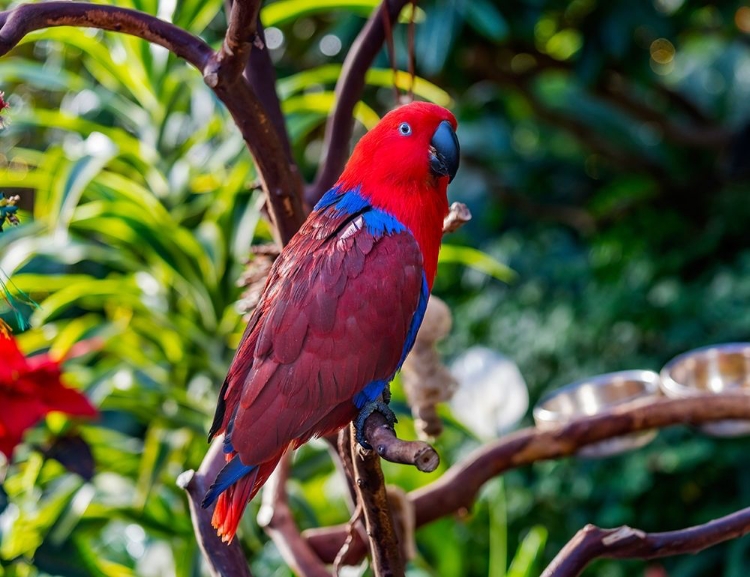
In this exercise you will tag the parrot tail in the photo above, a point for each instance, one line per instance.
(233, 488)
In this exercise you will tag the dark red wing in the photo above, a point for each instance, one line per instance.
(333, 318)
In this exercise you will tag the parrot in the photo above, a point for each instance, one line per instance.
(341, 306)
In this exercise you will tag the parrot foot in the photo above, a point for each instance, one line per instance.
(367, 410)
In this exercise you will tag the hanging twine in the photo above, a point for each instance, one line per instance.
(427, 381)
(391, 49)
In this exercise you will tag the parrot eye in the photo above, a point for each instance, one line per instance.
(404, 129)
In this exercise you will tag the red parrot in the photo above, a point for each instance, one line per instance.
(341, 307)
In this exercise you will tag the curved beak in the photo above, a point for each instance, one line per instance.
(444, 151)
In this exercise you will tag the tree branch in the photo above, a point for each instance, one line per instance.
(370, 487)
(381, 436)
(275, 517)
(223, 560)
(261, 75)
(283, 187)
(349, 89)
(458, 487)
(592, 543)
(238, 40)
(458, 215)
(264, 131)
(18, 22)
(281, 182)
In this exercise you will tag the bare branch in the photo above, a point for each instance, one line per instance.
(283, 186)
(223, 560)
(458, 487)
(349, 89)
(592, 543)
(16, 23)
(353, 526)
(371, 493)
(384, 441)
(261, 75)
(530, 445)
(275, 517)
(238, 41)
(458, 216)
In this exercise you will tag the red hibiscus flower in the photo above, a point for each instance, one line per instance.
(29, 389)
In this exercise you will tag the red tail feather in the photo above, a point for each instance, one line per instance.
(232, 502)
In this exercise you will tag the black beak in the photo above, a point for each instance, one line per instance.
(444, 151)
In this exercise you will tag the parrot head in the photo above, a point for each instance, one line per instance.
(414, 144)
(403, 166)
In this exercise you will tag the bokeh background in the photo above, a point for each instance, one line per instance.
(606, 159)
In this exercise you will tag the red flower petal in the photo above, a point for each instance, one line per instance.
(28, 391)
(12, 360)
(17, 413)
(68, 401)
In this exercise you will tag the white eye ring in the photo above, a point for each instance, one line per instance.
(404, 129)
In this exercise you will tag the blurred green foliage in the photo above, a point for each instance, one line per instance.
(605, 157)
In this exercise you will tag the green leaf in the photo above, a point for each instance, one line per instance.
(383, 77)
(322, 104)
(285, 11)
(529, 553)
(476, 259)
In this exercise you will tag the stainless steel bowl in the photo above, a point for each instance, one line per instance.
(711, 370)
(595, 395)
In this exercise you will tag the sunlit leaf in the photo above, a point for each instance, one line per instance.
(476, 259)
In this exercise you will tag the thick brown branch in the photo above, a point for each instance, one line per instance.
(275, 517)
(261, 75)
(282, 185)
(16, 23)
(348, 92)
(371, 493)
(592, 543)
(458, 487)
(223, 560)
(238, 41)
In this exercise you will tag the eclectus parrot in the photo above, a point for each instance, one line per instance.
(341, 307)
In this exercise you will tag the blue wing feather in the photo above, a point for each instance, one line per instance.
(232, 472)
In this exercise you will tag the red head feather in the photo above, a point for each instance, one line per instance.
(392, 171)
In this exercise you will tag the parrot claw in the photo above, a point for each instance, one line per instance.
(367, 410)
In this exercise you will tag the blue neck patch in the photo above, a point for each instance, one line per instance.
(377, 222)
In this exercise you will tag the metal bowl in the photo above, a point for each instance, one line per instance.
(595, 395)
(714, 369)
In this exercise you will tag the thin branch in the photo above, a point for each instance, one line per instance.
(592, 543)
(614, 91)
(458, 487)
(223, 560)
(18, 22)
(370, 486)
(276, 518)
(699, 130)
(353, 526)
(349, 89)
